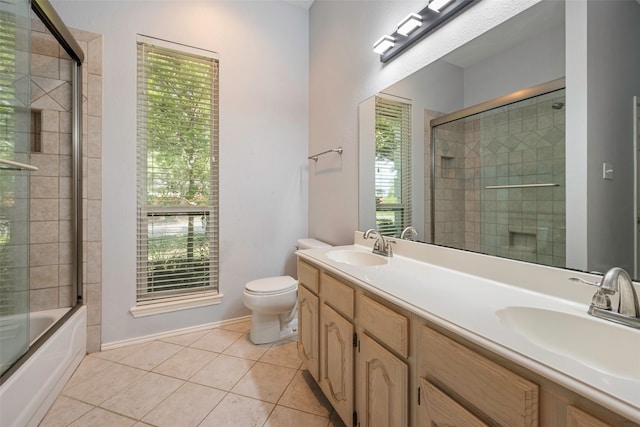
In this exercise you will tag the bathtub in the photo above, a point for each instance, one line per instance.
(26, 396)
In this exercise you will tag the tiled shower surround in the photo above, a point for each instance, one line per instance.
(518, 144)
(51, 268)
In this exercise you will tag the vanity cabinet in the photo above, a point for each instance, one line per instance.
(466, 386)
(336, 361)
(308, 312)
(308, 330)
(382, 373)
(382, 386)
(337, 344)
(380, 365)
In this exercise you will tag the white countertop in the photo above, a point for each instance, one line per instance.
(469, 304)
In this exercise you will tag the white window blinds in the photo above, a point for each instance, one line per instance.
(177, 191)
(393, 166)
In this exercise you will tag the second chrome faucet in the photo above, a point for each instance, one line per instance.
(381, 246)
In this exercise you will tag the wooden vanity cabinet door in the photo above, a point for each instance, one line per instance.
(382, 386)
(502, 396)
(308, 330)
(336, 361)
(439, 410)
(308, 276)
(578, 418)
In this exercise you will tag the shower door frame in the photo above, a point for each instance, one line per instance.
(511, 98)
(52, 21)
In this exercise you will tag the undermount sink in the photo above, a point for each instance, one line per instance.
(354, 257)
(601, 345)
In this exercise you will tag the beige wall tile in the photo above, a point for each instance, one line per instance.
(95, 221)
(65, 274)
(50, 121)
(95, 179)
(47, 164)
(44, 187)
(66, 296)
(94, 60)
(43, 277)
(93, 299)
(94, 262)
(50, 143)
(94, 141)
(43, 232)
(94, 338)
(95, 95)
(44, 66)
(43, 299)
(43, 254)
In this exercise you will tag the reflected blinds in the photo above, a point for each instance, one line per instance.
(393, 166)
(177, 191)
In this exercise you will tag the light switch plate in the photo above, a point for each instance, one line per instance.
(607, 171)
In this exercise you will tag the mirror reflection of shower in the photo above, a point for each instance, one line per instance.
(499, 181)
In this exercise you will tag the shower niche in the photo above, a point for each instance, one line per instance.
(498, 177)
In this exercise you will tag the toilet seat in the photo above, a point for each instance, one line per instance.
(271, 285)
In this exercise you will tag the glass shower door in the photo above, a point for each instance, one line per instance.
(15, 141)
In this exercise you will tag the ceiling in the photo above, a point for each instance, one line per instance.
(306, 4)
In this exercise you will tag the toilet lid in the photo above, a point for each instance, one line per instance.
(272, 285)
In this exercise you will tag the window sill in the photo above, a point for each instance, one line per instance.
(181, 303)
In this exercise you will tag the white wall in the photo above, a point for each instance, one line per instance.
(613, 78)
(264, 70)
(536, 60)
(344, 71)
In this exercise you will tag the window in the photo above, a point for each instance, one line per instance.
(393, 166)
(177, 190)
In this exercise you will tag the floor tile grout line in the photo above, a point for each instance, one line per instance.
(183, 381)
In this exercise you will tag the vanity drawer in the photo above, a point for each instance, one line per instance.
(308, 276)
(498, 393)
(389, 326)
(441, 410)
(338, 295)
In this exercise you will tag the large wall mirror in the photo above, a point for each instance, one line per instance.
(516, 150)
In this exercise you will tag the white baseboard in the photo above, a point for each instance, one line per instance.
(172, 333)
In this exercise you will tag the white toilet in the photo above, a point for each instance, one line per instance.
(274, 303)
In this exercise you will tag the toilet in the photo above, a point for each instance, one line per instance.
(274, 303)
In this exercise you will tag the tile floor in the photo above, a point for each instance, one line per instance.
(215, 377)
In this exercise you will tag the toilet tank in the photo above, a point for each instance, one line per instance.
(311, 244)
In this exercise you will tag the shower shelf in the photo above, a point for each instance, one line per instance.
(16, 166)
(497, 187)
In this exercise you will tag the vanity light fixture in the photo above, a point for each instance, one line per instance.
(384, 44)
(409, 24)
(417, 25)
(438, 4)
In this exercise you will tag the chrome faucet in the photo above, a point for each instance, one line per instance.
(381, 246)
(409, 233)
(616, 280)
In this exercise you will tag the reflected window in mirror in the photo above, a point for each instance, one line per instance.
(392, 165)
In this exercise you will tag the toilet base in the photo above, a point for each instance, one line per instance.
(268, 328)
